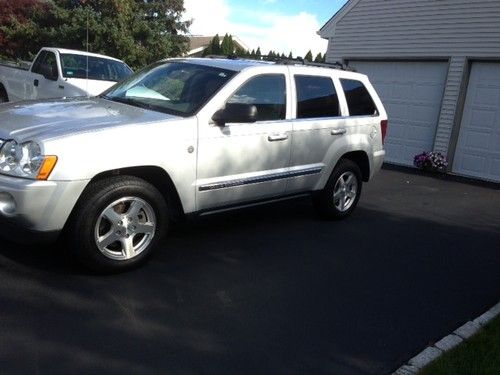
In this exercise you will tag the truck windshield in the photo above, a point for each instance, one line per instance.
(175, 87)
(101, 69)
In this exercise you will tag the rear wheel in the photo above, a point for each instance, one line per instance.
(117, 224)
(341, 194)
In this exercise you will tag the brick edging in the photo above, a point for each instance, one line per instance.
(447, 343)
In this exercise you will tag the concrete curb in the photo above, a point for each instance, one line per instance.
(447, 343)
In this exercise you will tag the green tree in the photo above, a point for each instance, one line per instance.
(137, 31)
(240, 51)
(227, 45)
(258, 54)
(319, 58)
(309, 56)
(290, 56)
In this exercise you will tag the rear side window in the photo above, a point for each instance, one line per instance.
(358, 98)
(316, 97)
(267, 92)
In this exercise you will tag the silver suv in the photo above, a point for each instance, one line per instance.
(184, 136)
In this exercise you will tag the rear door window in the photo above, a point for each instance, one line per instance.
(358, 98)
(316, 97)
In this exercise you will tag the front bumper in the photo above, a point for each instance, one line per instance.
(36, 210)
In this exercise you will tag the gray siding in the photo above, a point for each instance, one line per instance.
(417, 28)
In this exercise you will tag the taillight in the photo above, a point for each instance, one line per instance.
(383, 128)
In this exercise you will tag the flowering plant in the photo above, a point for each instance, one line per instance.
(434, 161)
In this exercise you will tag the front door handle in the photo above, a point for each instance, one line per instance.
(35, 82)
(277, 137)
(339, 131)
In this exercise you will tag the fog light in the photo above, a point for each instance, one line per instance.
(7, 204)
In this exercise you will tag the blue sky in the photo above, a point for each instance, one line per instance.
(281, 25)
(322, 9)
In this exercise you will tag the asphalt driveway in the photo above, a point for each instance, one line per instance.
(270, 289)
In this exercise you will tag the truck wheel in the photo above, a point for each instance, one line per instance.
(117, 224)
(3, 95)
(341, 194)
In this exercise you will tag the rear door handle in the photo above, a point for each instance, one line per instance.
(35, 82)
(277, 137)
(339, 131)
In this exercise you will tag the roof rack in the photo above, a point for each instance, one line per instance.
(285, 61)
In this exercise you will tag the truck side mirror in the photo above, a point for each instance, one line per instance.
(235, 113)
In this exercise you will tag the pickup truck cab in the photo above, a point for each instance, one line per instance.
(57, 73)
(181, 137)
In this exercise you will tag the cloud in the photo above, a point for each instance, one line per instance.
(276, 31)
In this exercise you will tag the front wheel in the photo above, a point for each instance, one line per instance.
(341, 194)
(117, 223)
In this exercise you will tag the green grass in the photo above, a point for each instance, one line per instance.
(478, 355)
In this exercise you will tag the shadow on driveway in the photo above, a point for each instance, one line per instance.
(270, 289)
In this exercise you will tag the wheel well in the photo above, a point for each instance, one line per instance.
(3, 92)
(156, 176)
(361, 159)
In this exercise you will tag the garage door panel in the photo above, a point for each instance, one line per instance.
(473, 163)
(412, 93)
(478, 148)
(429, 93)
(420, 134)
(482, 118)
(487, 96)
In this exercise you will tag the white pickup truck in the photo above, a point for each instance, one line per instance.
(57, 73)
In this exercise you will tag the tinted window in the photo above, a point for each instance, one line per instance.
(359, 101)
(267, 92)
(37, 64)
(316, 97)
(75, 66)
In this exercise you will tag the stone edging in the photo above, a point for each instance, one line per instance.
(447, 343)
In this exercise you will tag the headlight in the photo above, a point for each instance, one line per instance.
(25, 160)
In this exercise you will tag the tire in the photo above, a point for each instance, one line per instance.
(342, 191)
(3, 96)
(117, 224)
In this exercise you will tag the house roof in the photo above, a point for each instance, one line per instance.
(199, 41)
(328, 28)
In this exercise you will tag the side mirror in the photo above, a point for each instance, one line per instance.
(49, 73)
(235, 112)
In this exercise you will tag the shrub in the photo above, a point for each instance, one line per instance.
(433, 161)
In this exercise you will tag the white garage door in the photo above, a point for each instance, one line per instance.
(478, 148)
(412, 93)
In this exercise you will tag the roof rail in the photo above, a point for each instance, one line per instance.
(285, 61)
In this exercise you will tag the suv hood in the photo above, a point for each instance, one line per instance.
(47, 119)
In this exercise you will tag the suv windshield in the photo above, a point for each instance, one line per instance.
(171, 87)
(75, 66)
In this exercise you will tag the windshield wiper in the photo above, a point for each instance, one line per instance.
(129, 101)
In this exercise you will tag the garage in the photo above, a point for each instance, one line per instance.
(412, 93)
(478, 148)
